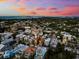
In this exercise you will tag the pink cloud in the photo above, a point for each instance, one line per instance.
(41, 8)
(67, 11)
(22, 2)
(73, 10)
(32, 12)
(52, 8)
(48, 8)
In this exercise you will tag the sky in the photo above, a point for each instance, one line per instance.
(39, 7)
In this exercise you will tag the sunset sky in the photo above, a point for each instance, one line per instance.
(39, 7)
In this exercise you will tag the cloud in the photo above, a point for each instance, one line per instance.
(66, 11)
(41, 8)
(22, 1)
(33, 13)
(1, 1)
(48, 8)
(71, 10)
(52, 8)
(24, 11)
(12, 1)
(21, 10)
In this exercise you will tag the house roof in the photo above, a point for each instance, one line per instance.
(7, 41)
(1, 46)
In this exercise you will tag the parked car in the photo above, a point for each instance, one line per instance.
(8, 54)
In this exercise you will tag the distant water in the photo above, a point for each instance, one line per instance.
(18, 17)
(30, 17)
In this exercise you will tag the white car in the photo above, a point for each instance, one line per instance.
(47, 41)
